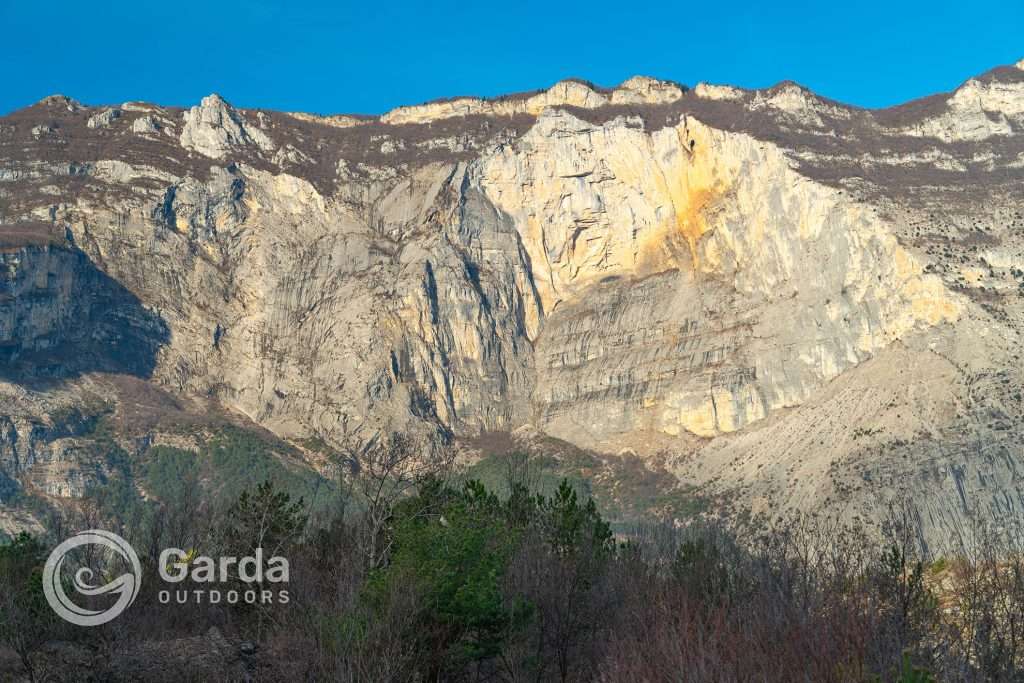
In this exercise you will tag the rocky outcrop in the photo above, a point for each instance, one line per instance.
(214, 128)
(146, 125)
(104, 118)
(983, 107)
(717, 92)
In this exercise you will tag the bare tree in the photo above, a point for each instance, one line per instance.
(383, 471)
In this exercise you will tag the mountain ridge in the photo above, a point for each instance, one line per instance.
(1010, 70)
(729, 281)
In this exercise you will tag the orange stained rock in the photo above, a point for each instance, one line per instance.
(698, 186)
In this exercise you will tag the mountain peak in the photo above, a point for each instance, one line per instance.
(214, 127)
(58, 100)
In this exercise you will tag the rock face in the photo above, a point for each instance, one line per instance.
(800, 304)
(60, 315)
(718, 224)
(214, 129)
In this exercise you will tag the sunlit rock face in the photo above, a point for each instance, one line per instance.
(214, 128)
(766, 290)
(706, 224)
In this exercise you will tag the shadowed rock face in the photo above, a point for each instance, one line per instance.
(774, 291)
(61, 316)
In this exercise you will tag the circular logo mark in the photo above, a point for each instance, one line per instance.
(126, 586)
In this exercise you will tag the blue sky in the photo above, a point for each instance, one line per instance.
(367, 57)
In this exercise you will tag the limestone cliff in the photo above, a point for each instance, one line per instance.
(776, 292)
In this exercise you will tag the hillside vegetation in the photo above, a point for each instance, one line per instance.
(411, 574)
